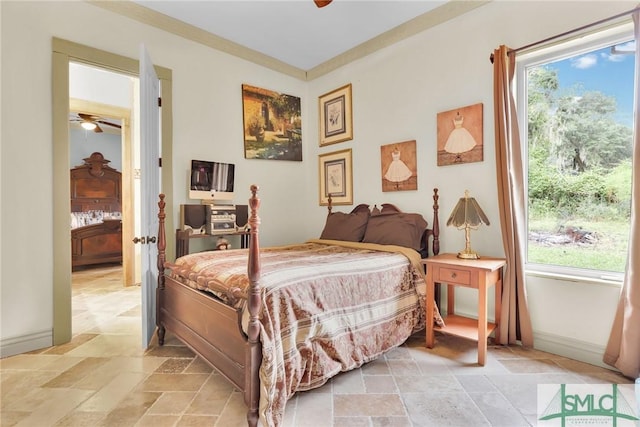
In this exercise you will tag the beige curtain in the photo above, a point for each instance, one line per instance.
(623, 348)
(515, 323)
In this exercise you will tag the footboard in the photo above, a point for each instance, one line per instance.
(212, 329)
(97, 243)
(207, 326)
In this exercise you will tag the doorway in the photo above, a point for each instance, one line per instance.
(63, 53)
(118, 146)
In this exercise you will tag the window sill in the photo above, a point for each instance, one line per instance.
(603, 281)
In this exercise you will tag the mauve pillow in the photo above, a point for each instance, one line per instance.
(349, 227)
(401, 229)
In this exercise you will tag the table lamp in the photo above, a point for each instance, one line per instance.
(467, 214)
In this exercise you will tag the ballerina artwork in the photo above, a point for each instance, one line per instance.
(463, 143)
(397, 174)
(460, 140)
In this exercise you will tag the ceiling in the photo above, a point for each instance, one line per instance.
(297, 32)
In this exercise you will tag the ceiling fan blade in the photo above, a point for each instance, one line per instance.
(87, 117)
(102, 122)
(322, 3)
(98, 129)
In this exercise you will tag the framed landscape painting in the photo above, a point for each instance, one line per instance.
(336, 178)
(336, 116)
(272, 124)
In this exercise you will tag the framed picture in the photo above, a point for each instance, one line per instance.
(399, 167)
(460, 135)
(336, 118)
(336, 178)
(272, 125)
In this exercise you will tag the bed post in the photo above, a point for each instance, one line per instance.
(162, 246)
(436, 223)
(329, 207)
(254, 350)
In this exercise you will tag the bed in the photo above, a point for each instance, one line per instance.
(275, 321)
(96, 226)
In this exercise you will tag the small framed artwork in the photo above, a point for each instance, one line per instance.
(336, 178)
(460, 135)
(399, 166)
(336, 116)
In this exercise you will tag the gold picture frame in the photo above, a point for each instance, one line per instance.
(336, 177)
(336, 116)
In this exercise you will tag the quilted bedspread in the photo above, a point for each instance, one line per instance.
(327, 307)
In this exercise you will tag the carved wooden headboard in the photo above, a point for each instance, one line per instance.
(96, 186)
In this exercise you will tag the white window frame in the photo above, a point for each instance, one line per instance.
(578, 44)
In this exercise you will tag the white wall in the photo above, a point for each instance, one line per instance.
(207, 123)
(83, 142)
(98, 85)
(397, 93)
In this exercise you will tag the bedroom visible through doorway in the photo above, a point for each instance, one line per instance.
(105, 100)
(101, 113)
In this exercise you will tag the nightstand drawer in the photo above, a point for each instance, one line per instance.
(452, 275)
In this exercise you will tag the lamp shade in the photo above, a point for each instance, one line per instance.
(467, 214)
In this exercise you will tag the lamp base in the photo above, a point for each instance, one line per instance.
(465, 254)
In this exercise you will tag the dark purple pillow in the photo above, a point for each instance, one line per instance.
(401, 229)
(349, 227)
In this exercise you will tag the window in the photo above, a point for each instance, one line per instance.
(576, 118)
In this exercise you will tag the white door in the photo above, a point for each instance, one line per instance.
(149, 189)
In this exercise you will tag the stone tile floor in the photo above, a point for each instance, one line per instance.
(103, 378)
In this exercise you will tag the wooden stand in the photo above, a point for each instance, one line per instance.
(478, 274)
(183, 238)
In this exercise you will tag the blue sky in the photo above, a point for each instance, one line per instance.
(611, 74)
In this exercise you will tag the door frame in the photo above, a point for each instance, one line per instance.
(64, 52)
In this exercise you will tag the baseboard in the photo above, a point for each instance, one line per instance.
(568, 347)
(26, 343)
(581, 351)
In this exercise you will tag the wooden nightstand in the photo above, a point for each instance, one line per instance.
(478, 274)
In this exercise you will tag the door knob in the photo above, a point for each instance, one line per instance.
(144, 240)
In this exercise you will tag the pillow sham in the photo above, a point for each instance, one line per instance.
(401, 229)
(348, 227)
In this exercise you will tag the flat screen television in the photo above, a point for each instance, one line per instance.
(211, 181)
